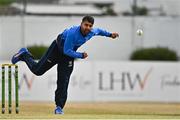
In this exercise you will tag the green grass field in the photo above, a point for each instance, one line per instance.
(103, 110)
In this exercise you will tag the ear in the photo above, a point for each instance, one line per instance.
(81, 23)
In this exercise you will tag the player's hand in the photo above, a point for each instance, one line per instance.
(85, 55)
(114, 35)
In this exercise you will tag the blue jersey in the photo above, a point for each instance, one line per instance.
(73, 39)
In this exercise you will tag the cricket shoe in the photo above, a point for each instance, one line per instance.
(17, 57)
(58, 110)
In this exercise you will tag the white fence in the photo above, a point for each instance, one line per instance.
(16, 32)
(107, 81)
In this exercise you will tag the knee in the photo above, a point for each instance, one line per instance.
(38, 73)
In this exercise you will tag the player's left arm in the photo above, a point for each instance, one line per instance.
(102, 32)
(114, 35)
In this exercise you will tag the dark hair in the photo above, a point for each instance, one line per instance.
(88, 18)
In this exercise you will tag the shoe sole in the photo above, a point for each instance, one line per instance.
(16, 56)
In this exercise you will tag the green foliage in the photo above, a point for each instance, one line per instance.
(37, 50)
(140, 10)
(6, 2)
(159, 53)
(110, 11)
(127, 13)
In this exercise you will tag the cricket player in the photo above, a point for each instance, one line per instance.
(62, 52)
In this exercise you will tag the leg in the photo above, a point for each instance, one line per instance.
(48, 60)
(65, 68)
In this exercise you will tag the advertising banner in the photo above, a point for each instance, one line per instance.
(105, 81)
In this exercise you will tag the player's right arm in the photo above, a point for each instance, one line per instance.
(69, 45)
